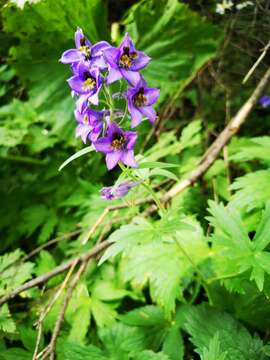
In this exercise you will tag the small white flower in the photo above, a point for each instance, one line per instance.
(244, 4)
(222, 7)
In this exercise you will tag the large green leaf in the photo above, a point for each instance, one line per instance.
(204, 322)
(178, 40)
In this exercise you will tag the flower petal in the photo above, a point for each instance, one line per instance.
(136, 116)
(83, 131)
(149, 112)
(94, 98)
(70, 56)
(76, 83)
(132, 77)
(112, 159)
(128, 158)
(152, 95)
(81, 103)
(99, 61)
(111, 55)
(103, 145)
(114, 129)
(97, 49)
(127, 42)
(79, 36)
(131, 139)
(141, 61)
(114, 75)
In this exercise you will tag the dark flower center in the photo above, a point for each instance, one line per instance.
(118, 141)
(139, 99)
(127, 58)
(85, 49)
(89, 81)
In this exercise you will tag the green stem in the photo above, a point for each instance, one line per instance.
(146, 186)
(199, 273)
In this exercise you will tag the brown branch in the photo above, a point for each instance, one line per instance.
(225, 136)
(50, 350)
(49, 243)
(56, 271)
(48, 309)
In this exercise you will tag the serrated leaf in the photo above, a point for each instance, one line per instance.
(252, 190)
(213, 352)
(7, 324)
(73, 351)
(203, 323)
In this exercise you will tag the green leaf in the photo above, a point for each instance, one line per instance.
(204, 322)
(254, 148)
(128, 236)
(146, 316)
(163, 29)
(15, 274)
(262, 237)
(15, 354)
(73, 351)
(229, 222)
(162, 262)
(165, 173)
(6, 322)
(122, 339)
(252, 190)
(150, 355)
(173, 345)
(155, 164)
(75, 156)
(233, 252)
(213, 352)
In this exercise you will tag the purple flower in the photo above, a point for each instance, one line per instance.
(86, 82)
(125, 62)
(85, 51)
(265, 101)
(140, 101)
(118, 146)
(90, 124)
(117, 192)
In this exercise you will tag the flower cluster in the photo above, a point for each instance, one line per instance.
(94, 68)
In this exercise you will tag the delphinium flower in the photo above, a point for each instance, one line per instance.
(140, 100)
(118, 191)
(90, 124)
(125, 62)
(86, 82)
(85, 52)
(265, 101)
(94, 67)
(118, 146)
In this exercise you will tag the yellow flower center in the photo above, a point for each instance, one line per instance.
(127, 58)
(118, 142)
(89, 84)
(86, 51)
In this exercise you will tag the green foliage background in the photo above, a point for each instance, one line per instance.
(194, 284)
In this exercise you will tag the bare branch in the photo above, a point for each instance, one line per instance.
(56, 271)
